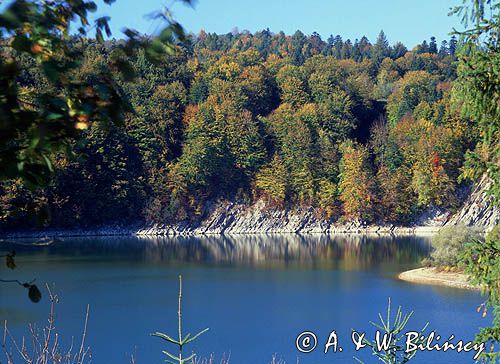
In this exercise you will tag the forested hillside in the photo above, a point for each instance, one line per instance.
(360, 131)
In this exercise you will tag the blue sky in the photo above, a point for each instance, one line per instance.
(408, 21)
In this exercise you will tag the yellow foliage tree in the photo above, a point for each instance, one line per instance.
(356, 184)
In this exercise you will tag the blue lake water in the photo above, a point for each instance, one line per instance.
(255, 293)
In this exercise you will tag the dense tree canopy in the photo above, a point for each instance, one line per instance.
(295, 120)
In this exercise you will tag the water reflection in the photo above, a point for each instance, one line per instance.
(255, 292)
(349, 252)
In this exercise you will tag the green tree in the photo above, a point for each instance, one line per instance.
(296, 133)
(433, 46)
(413, 88)
(105, 183)
(36, 126)
(477, 90)
(223, 147)
(453, 45)
(380, 49)
(482, 261)
(272, 179)
(356, 182)
(291, 81)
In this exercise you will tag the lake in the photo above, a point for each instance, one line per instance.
(256, 293)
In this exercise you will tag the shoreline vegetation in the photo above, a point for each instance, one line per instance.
(224, 217)
(350, 131)
(434, 276)
(233, 218)
(453, 247)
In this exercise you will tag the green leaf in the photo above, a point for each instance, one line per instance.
(35, 141)
(20, 166)
(186, 337)
(166, 36)
(51, 70)
(125, 68)
(188, 358)
(103, 23)
(54, 116)
(34, 294)
(178, 30)
(21, 43)
(91, 6)
(155, 51)
(9, 260)
(98, 35)
(194, 337)
(170, 355)
(17, 13)
(166, 337)
(48, 163)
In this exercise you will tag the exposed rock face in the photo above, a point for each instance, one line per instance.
(478, 209)
(234, 218)
(238, 218)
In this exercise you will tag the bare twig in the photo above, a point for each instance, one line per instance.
(179, 315)
(45, 348)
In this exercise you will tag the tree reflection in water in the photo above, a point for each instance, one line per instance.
(346, 252)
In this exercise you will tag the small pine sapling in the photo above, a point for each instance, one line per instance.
(395, 352)
(183, 340)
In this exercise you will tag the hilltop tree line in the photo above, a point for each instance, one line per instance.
(300, 47)
(359, 131)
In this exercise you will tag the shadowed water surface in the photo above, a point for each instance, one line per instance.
(256, 293)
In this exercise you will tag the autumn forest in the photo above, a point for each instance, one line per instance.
(358, 130)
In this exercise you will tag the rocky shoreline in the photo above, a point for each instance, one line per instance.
(235, 219)
(226, 218)
(232, 218)
(154, 231)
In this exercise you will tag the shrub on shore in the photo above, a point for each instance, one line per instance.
(448, 244)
